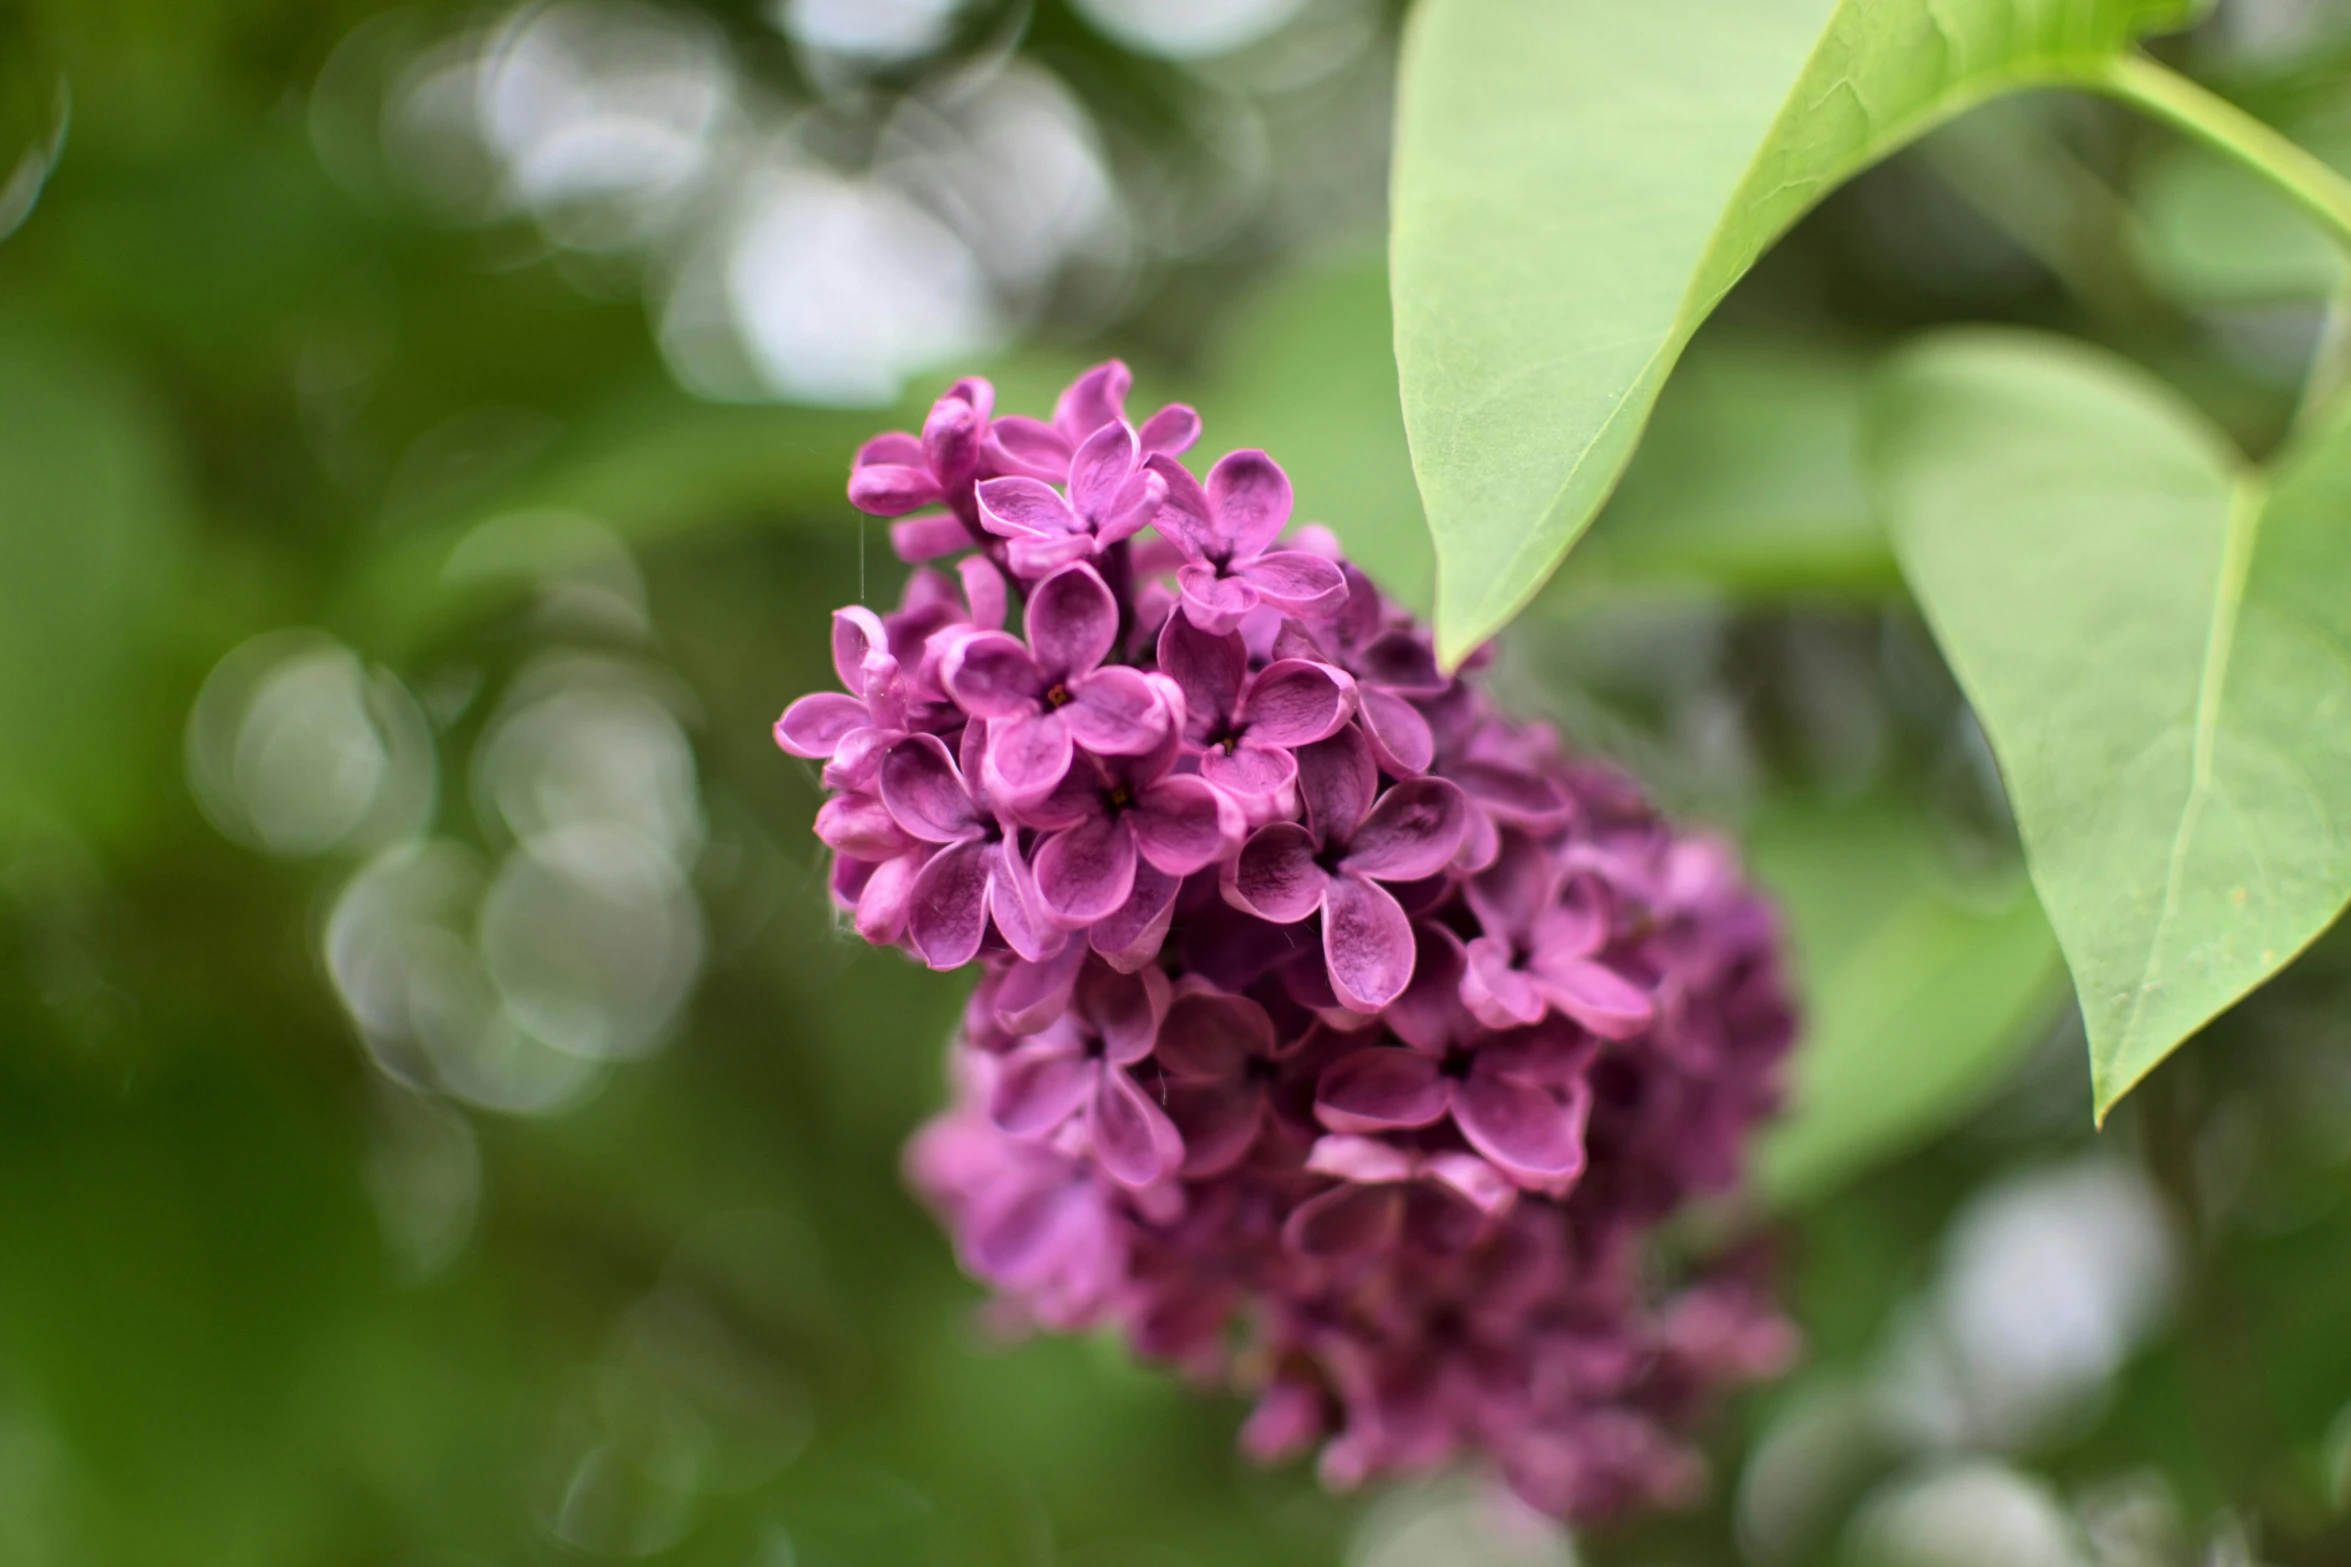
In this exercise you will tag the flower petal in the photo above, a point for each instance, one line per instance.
(1211, 1037)
(894, 447)
(1027, 1239)
(1184, 518)
(1249, 496)
(814, 726)
(1249, 771)
(925, 792)
(1209, 669)
(1033, 995)
(1171, 430)
(1496, 990)
(1367, 941)
(1041, 1086)
(929, 536)
(1381, 1089)
(1276, 877)
(1092, 400)
(1015, 507)
(1297, 701)
(1429, 1015)
(1133, 1137)
(1511, 894)
(1399, 734)
(892, 489)
(1085, 872)
(1016, 909)
(1027, 755)
(1218, 1122)
(983, 591)
(1346, 1221)
(1371, 1160)
(1123, 1009)
(857, 635)
(861, 826)
(1526, 1130)
(1293, 580)
(1072, 621)
(1132, 936)
(888, 897)
(1182, 825)
(958, 424)
(1411, 833)
(1336, 778)
(990, 675)
(1115, 712)
(1212, 601)
(1100, 468)
(949, 914)
(1028, 446)
(1596, 996)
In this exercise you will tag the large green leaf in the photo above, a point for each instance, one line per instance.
(2156, 638)
(1920, 986)
(1578, 182)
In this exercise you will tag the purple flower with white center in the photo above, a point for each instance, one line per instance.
(976, 877)
(1020, 445)
(1045, 697)
(1112, 496)
(1112, 817)
(1540, 948)
(1334, 864)
(1226, 531)
(1077, 1068)
(1247, 727)
(1335, 1036)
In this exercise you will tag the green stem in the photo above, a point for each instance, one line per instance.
(2230, 131)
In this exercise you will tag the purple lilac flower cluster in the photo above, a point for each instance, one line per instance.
(1335, 1036)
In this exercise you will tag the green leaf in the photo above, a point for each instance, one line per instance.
(2156, 638)
(1579, 182)
(2211, 231)
(1920, 987)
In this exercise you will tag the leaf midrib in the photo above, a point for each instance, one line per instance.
(1503, 602)
(2248, 503)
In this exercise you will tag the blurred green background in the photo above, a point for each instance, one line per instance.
(440, 1121)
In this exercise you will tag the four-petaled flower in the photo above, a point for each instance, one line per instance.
(1226, 531)
(1334, 863)
(1112, 496)
(1247, 727)
(1043, 697)
(1077, 1068)
(1228, 1072)
(1113, 816)
(1538, 949)
(976, 875)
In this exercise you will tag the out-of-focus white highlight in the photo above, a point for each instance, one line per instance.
(2050, 1281)
(843, 288)
(1457, 1522)
(295, 747)
(1976, 1513)
(1188, 29)
(880, 31)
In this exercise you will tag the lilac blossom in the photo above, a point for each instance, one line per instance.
(1043, 698)
(1336, 1037)
(1225, 532)
(1334, 863)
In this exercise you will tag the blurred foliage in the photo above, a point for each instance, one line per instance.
(263, 1302)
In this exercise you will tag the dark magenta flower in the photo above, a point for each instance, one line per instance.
(1077, 1069)
(1247, 726)
(1335, 1036)
(1354, 839)
(1226, 533)
(1051, 694)
(975, 877)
